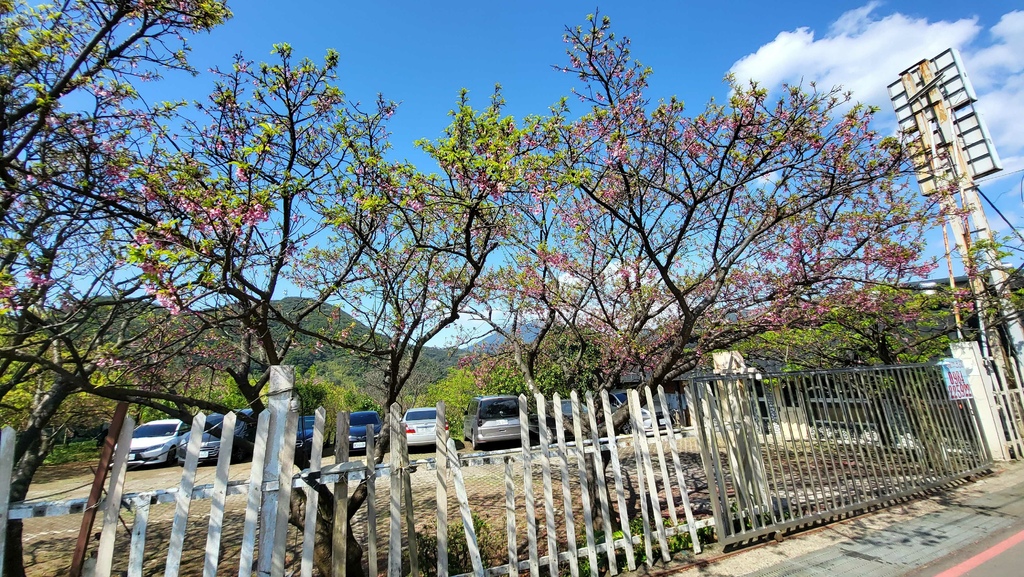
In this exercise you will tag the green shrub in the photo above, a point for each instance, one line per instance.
(490, 542)
(80, 452)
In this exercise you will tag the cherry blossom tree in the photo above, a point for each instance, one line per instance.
(70, 120)
(747, 217)
(284, 185)
(238, 195)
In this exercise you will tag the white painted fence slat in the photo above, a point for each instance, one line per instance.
(467, 517)
(371, 501)
(279, 400)
(441, 494)
(183, 500)
(639, 441)
(670, 500)
(7, 436)
(112, 503)
(648, 468)
(510, 519)
(220, 487)
(312, 497)
(339, 536)
(252, 507)
(545, 469)
(620, 494)
(581, 464)
(602, 486)
(395, 496)
(531, 505)
(136, 554)
(680, 478)
(284, 494)
(410, 513)
(563, 468)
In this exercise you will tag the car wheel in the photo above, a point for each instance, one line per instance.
(172, 456)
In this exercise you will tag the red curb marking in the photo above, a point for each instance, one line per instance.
(983, 557)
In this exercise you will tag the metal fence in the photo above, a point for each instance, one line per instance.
(788, 449)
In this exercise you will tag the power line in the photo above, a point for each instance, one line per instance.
(1000, 213)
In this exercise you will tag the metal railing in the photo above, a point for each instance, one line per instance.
(788, 449)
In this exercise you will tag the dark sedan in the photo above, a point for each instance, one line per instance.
(360, 424)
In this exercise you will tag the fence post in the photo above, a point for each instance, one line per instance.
(339, 536)
(441, 446)
(255, 496)
(279, 393)
(106, 454)
(312, 498)
(395, 497)
(6, 467)
(220, 488)
(531, 506)
(183, 500)
(751, 476)
(980, 379)
(112, 504)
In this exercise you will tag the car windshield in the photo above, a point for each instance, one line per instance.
(364, 418)
(214, 421)
(499, 409)
(421, 415)
(155, 430)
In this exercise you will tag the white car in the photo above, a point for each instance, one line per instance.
(156, 442)
(421, 426)
(618, 398)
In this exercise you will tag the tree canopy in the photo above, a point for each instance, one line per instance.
(146, 248)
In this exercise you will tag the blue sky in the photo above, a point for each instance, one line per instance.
(422, 53)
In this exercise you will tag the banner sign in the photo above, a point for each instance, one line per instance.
(955, 375)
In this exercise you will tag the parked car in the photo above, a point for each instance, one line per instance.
(421, 426)
(156, 442)
(618, 398)
(361, 424)
(550, 417)
(491, 418)
(304, 437)
(209, 449)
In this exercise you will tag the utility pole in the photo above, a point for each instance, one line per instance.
(943, 164)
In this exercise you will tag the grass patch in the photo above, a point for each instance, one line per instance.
(85, 451)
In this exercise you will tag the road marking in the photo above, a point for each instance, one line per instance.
(983, 557)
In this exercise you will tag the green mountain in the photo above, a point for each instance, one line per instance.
(307, 351)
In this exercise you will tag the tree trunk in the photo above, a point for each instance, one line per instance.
(322, 552)
(30, 450)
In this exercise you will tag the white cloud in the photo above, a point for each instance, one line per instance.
(865, 51)
(860, 52)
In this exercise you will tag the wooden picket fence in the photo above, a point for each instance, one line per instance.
(268, 490)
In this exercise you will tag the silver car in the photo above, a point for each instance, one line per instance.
(421, 426)
(491, 418)
(156, 442)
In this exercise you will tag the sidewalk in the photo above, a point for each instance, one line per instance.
(890, 542)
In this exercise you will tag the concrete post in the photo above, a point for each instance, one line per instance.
(980, 377)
